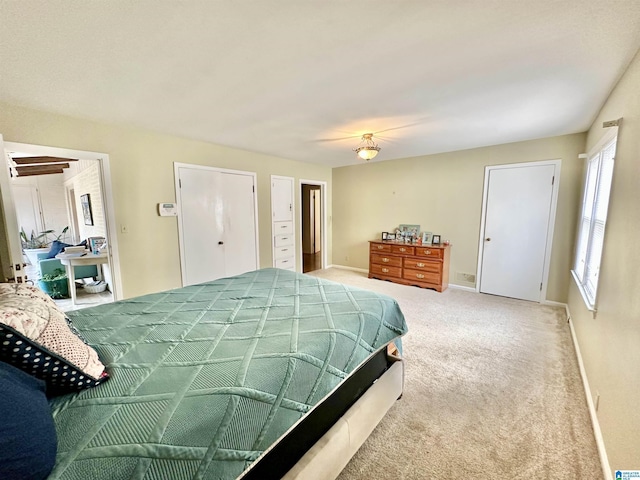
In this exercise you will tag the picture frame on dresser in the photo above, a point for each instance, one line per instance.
(385, 235)
(426, 238)
(435, 240)
(409, 230)
(391, 236)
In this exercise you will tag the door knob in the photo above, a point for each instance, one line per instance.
(488, 239)
(220, 243)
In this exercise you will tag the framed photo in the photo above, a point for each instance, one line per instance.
(426, 238)
(96, 244)
(409, 230)
(85, 202)
(435, 240)
(385, 235)
(391, 236)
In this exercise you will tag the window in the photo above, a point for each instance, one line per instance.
(593, 219)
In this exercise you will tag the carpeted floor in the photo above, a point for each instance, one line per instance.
(492, 390)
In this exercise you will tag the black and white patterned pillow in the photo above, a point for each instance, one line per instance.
(36, 337)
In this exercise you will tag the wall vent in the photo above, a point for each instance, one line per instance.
(465, 277)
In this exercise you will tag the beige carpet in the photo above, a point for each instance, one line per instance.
(492, 391)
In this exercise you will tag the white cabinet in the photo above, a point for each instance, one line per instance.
(282, 224)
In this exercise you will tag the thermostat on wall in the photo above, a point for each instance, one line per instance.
(167, 209)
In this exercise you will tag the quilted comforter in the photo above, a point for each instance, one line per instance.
(204, 378)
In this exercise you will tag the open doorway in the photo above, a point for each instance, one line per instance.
(44, 190)
(312, 224)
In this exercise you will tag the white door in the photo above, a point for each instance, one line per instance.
(282, 198)
(518, 212)
(316, 220)
(217, 223)
(239, 226)
(25, 200)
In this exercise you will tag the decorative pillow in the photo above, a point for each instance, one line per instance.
(57, 247)
(35, 336)
(27, 433)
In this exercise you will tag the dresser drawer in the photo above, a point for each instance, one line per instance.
(380, 248)
(386, 260)
(286, 263)
(423, 265)
(282, 228)
(429, 252)
(283, 240)
(284, 252)
(386, 270)
(403, 249)
(421, 276)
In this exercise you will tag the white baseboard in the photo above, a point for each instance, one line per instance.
(345, 267)
(556, 304)
(462, 287)
(602, 452)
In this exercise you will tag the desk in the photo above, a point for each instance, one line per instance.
(88, 259)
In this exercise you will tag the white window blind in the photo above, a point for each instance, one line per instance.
(593, 219)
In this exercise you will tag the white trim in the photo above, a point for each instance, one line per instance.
(345, 267)
(587, 303)
(609, 135)
(552, 303)
(12, 231)
(323, 192)
(602, 451)
(463, 287)
(176, 178)
(550, 228)
(107, 192)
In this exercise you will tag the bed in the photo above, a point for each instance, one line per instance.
(269, 374)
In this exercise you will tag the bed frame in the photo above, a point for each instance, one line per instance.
(321, 444)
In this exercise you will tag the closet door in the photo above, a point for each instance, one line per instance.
(519, 212)
(239, 227)
(217, 223)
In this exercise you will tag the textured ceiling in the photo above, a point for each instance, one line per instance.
(286, 78)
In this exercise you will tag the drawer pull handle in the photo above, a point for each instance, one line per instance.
(283, 226)
(419, 275)
(427, 252)
(385, 259)
(403, 249)
(421, 265)
(385, 270)
(380, 247)
(284, 250)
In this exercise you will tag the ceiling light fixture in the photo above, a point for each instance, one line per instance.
(369, 150)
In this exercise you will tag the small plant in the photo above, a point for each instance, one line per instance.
(58, 274)
(55, 284)
(41, 240)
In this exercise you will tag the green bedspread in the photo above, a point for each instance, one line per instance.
(204, 378)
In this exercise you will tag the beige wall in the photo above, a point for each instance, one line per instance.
(443, 194)
(610, 343)
(142, 176)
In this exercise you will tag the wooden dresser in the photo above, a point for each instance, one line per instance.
(425, 266)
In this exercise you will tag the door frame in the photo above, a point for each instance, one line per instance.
(105, 186)
(323, 220)
(176, 177)
(550, 228)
